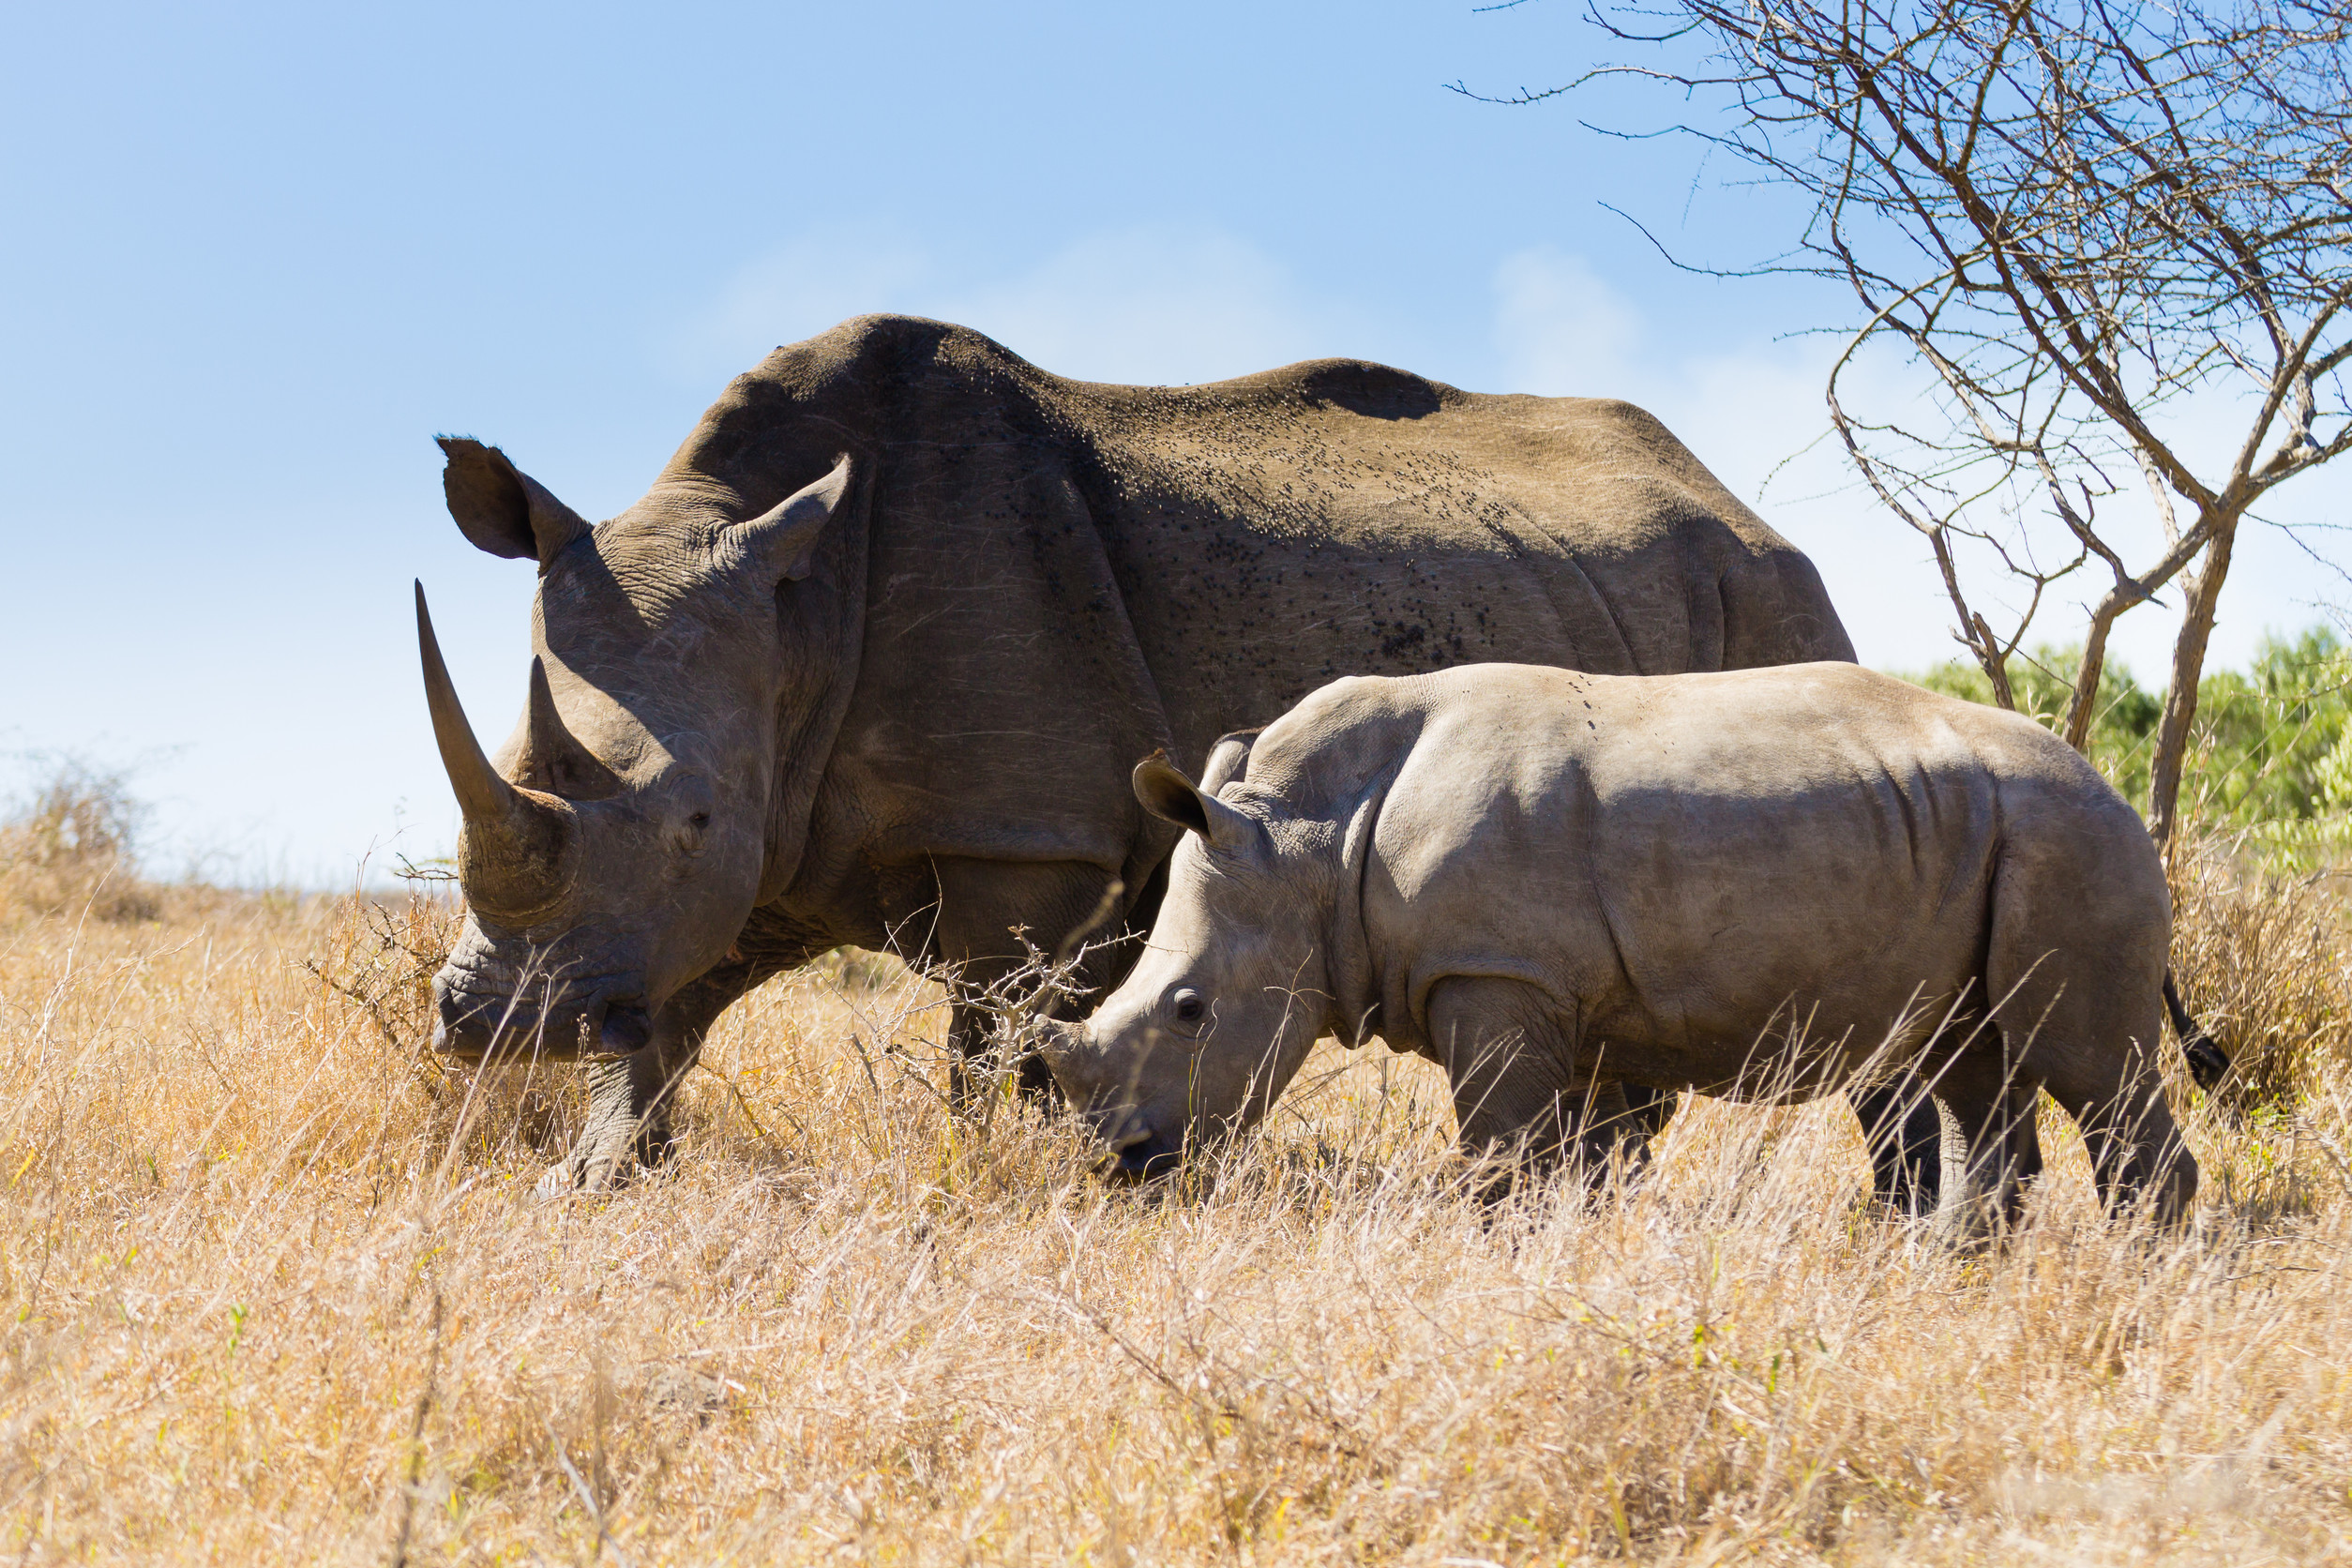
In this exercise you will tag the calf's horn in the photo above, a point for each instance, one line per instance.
(511, 858)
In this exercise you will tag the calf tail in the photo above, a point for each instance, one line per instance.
(2208, 1063)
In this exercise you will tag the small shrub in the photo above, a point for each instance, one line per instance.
(381, 955)
(69, 847)
(2264, 960)
(2270, 757)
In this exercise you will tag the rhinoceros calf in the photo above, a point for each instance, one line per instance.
(1553, 884)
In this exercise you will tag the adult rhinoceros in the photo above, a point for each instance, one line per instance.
(871, 662)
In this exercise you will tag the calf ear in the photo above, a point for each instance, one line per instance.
(499, 507)
(1171, 797)
(785, 537)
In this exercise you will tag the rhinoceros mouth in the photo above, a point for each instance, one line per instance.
(1146, 1160)
(592, 1017)
(1139, 1153)
(482, 987)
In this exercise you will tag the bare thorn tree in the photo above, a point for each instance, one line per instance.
(2116, 237)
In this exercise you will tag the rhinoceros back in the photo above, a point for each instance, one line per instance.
(1687, 857)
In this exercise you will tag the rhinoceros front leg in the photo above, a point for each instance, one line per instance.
(628, 1123)
(630, 1097)
(982, 904)
(1509, 1060)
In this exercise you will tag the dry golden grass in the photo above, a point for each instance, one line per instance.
(277, 1291)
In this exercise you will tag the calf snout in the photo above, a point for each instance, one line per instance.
(1083, 1065)
(1077, 1059)
(1143, 1153)
(1061, 1045)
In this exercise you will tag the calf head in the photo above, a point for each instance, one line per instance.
(613, 849)
(1231, 992)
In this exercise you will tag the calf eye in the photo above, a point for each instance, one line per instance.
(1188, 1006)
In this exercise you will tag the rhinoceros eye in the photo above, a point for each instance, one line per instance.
(1188, 1006)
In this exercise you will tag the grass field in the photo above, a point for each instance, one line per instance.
(277, 1291)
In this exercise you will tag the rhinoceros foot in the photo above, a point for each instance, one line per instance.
(628, 1132)
(589, 1172)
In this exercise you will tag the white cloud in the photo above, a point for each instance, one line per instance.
(1560, 331)
(1154, 304)
(789, 293)
(1148, 306)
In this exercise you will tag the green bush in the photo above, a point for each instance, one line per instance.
(2270, 757)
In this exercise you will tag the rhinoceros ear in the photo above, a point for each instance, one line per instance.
(1171, 797)
(499, 507)
(1228, 760)
(784, 538)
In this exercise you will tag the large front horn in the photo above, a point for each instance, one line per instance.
(481, 793)
(510, 859)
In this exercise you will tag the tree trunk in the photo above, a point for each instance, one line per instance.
(2188, 668)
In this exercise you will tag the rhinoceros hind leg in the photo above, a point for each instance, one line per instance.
(1906, 1134)
(981, 906)
(2135, 1145)
(972, 1032)
(1991, 1146)
(1647, 1110)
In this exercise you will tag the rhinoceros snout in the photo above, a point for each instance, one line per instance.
(472, 1023)
(1143, 1155)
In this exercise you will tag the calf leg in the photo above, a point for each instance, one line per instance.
(2076, 969)
(1510, 1060)
(1905, 1132)
(1899, 1120)
(2117, 1097)
(1991, 1148)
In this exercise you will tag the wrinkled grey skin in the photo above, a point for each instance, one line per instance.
(870, 661)
(1555, 884)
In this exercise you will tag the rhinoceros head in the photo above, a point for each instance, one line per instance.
(613, 848)
(1231, 992)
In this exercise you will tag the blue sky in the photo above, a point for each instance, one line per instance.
(258, 257)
